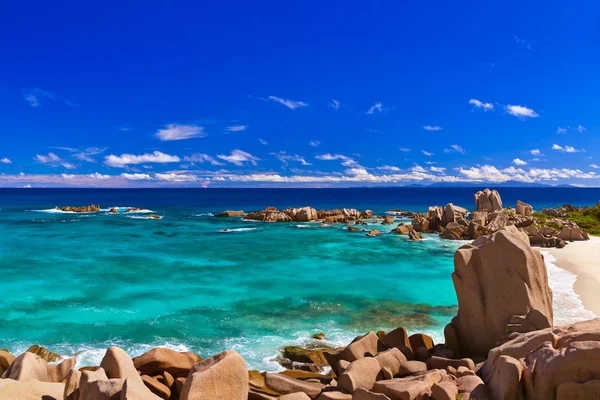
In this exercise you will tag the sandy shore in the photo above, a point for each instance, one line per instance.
(583, 260)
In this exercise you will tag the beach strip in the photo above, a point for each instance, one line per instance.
(583, 260)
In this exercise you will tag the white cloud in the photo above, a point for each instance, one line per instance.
(418, 168)
(137, 177)
(519, 162)
(86, 155)
(236, 128)
(180, 132)
(5, 161)
(263, 142)
(202, 158)
(437, 169)
(455, 149)
(314, 143)
(335, 104)
(286, 158)
(480, 104)
(173, 177)
(404, 149)
(581, 129)
(521, 111)
(132, 159)
(53, 160)
(561, 130)
(428, 154)
(432, 128)
(50, 158)
(594, 166)
(97, 175)
(565, 149)
(291, 104)
(239, 157)
(523, 43)
(390, 168)
(535, 152)
(35, 96)
(375, 107)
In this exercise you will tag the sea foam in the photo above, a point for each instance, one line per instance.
(566, 304)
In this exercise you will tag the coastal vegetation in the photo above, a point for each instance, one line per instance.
(587, 218)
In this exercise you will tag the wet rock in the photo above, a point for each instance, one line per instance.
(79, 209)
(373, 233)
(44, 353)
(414, 235)
(388, 220)
(231, 213)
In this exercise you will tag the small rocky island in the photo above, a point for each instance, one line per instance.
(79, 209)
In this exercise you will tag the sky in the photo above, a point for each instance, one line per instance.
(298, 94)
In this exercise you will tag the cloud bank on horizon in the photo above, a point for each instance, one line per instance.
(320, 104)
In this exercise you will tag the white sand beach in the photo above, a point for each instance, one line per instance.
(583, 260)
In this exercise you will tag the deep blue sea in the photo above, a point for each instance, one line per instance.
(77, 283)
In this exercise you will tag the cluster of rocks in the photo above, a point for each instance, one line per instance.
(79, 209)
(302, 214)
(456, 223)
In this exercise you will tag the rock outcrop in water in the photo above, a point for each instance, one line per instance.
(79, 209)
(502, 287)
(231, 213)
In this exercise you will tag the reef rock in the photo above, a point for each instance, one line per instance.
(496, 278)
(79, 209)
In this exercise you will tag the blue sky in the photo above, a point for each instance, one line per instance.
(291, 94)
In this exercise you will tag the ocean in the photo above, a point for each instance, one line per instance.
(78, 283)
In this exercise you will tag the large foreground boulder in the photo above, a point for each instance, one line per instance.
(499, 280)
(221, 377)
(554, 363)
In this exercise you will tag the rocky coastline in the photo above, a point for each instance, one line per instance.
(501, 345)
(549, 228)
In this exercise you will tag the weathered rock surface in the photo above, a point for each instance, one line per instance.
(523, 208)
(488, 200)
(410, 388)
(495, 278)
(161, 359)
(221, 377)
(554, 363)
(118, 365)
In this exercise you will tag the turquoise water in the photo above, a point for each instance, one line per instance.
(77, 283)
